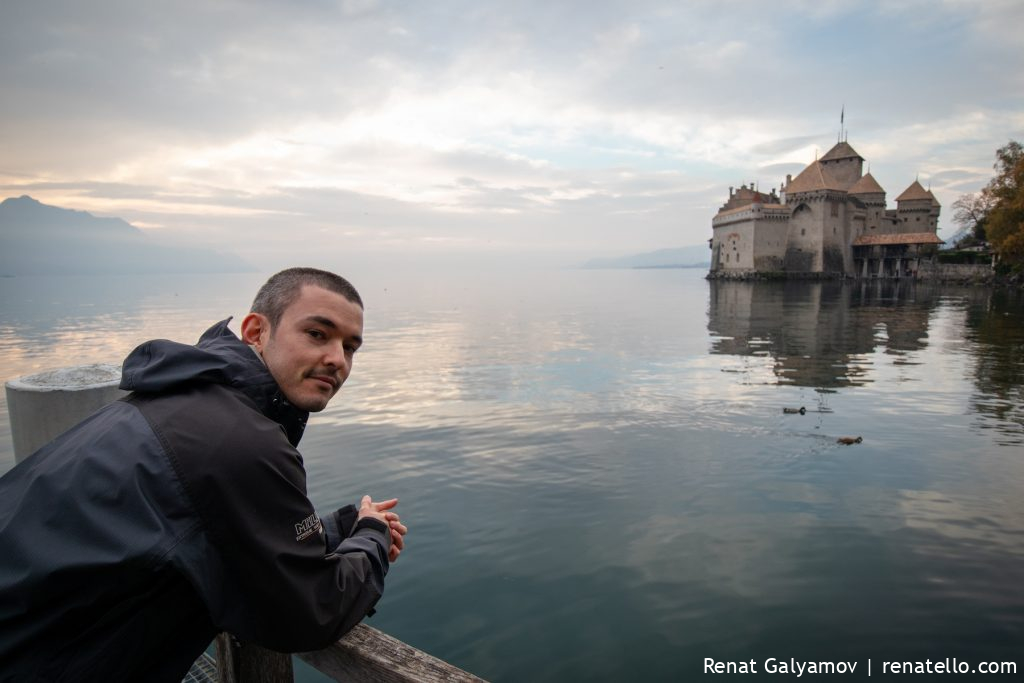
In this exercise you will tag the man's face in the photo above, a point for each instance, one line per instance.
(309, 352)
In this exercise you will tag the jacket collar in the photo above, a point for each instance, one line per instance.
(219, 357)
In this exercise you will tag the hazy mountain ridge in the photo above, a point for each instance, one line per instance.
(39, 239)
(695, 256)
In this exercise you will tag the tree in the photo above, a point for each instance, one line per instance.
(1004, 224)
(970, 212)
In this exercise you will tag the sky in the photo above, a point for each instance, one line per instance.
(553, 131)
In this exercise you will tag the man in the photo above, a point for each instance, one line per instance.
(180, 511)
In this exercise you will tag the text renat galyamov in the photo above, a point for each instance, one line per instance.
(778, 666)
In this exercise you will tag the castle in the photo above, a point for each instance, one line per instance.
(830, 220)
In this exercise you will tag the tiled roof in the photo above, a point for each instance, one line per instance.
(915, 191)
(842, 150)
(866, 185)
(812, 178)
(905, 238)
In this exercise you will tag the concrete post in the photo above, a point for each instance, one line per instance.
(45, 405)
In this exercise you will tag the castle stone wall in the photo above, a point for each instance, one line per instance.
(846, 171)
(735, 244)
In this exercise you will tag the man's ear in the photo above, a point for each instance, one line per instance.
(255, 330)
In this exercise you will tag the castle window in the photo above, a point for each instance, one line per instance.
(803, 231)
(835, 208)
(918, 219)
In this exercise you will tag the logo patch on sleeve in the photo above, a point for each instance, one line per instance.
(307, 527)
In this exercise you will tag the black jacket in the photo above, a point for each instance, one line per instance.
(179, 511)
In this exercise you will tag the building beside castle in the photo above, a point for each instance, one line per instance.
(831, 219)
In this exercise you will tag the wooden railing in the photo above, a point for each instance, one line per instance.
(363, 654)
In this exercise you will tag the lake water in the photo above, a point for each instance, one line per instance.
(598, 475)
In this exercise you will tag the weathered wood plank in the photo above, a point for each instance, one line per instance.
(264, 666)
(370, 656)
(248, 663)
(227, 667)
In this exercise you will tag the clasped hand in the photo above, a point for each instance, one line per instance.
(382, 511)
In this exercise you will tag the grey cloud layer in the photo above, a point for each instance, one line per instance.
(604, 126)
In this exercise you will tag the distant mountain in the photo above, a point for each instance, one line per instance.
(697, 256)
(37, 239)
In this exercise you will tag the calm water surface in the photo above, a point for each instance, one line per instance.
(600, 480)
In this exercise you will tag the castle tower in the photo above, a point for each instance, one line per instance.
(872, 196)
(817, 202)
(844, 164)
(917, 210)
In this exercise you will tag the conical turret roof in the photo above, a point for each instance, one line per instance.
(842, 150)
(915, 191)
(812, 178)
(866, 185)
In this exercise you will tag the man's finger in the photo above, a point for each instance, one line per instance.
(399, 527)
(397, 540)
(385, 504)
(365, 501)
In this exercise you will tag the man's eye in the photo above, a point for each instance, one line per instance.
(316, 334)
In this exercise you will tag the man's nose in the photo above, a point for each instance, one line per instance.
(337, 358)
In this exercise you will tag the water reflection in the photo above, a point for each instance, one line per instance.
(818, 334)
(596, 492)
(996, 329)
(827, 335)
(53, 321)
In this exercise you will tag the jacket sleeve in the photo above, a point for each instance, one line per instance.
(259, 558)
(339, 525)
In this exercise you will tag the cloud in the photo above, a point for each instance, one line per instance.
(785, 145)
(994, 21)
(455, 123)
(780, 170)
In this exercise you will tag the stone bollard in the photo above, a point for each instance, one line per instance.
(45, 405)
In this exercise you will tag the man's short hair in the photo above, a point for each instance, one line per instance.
(282, 289)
